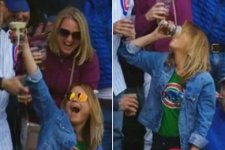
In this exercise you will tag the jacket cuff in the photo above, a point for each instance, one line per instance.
(198, 140)
(35, 77)
(131, 48)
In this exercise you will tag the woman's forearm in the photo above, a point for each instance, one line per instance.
(30, 64)
(145, 40)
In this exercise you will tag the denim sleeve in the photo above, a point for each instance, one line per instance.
(42, 101)
(206, 108)
(145, 60)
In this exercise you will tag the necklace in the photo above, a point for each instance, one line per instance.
(174, 11)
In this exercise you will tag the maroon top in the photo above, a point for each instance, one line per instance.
(57, 72)
(143, 27)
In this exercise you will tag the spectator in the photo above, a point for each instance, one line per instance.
(121, 27)
(147, 15)
(79, 124)
(69, 50)
(6, 71)
(20, 9)
(182, 89)
(216, 132)
(212, 24)
(99, 18)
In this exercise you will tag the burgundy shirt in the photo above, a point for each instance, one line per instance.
(143, 27)
(57, 72)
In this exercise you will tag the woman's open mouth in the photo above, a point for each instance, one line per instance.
(75, 108)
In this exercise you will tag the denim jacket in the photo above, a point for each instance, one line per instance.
(56, 131)
(197, 103)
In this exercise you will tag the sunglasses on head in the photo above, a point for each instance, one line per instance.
(81, 97)
(65, 33)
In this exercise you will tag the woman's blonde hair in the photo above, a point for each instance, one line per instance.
(85, 50)
(196, 50)
(93, 129)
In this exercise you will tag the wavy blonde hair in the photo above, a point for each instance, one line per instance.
(196, 50)
(85, 51)
(93, 129)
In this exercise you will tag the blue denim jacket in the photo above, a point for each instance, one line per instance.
(56, 132)
(197, 104)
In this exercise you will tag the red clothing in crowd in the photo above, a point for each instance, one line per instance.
(57, 72)
(143, 27)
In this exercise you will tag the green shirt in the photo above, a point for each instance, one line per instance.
(171, 107)
(80, 146)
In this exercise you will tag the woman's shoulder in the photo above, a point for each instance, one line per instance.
(63, 122)
(92, 58)
(203, 77)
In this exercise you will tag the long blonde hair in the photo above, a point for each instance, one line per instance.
(85, 50)
(93, 129)
(196, 50)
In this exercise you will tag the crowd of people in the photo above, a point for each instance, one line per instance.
(57, 59)
(76, 66)
(183, 72)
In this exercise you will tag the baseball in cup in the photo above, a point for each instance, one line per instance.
(170, 29)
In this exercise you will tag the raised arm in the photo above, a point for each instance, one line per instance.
(149, 38)
(135, 55)
(42, 100)
(29, 62)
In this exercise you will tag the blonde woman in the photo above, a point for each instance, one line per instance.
(78, 125)
(70, 54)
(181, 101)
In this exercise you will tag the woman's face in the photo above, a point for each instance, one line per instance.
(77, 107)
(179, 41)
(68, 36)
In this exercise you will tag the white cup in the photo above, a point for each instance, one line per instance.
(19, 27)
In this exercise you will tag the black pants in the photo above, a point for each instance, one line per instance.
(165, 143)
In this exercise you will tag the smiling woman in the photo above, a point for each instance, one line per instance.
(71, 21)
(69, 49)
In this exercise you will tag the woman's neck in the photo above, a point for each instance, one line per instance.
(79, 133)
(179, 63)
